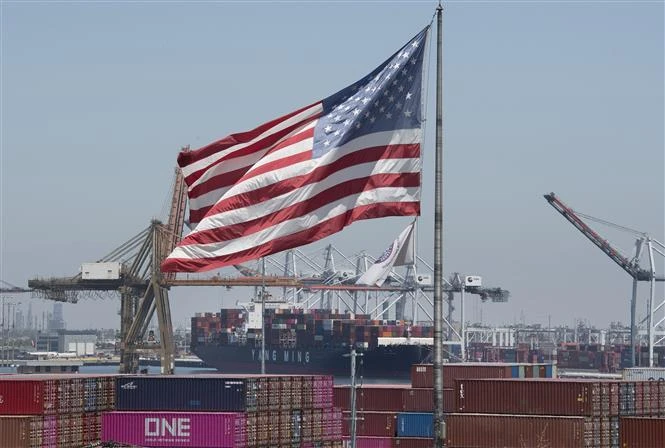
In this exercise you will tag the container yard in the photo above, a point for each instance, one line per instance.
(72, 411)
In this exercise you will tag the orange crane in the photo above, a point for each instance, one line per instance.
(631, 266)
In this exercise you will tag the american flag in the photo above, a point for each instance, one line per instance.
(302, 177)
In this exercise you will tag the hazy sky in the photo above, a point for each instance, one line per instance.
(98, 97)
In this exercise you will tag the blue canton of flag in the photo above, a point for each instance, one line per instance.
(388, 98)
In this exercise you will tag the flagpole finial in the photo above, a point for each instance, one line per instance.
(440, 7)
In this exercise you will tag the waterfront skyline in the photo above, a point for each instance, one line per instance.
(98, 99)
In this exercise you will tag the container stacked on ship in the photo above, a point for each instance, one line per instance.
(53, 411)
(224, 411)
(559, 412)
(311, 341)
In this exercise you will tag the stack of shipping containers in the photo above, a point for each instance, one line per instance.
(536, 412)
(53, 411)
(224, 412)
(402, 415)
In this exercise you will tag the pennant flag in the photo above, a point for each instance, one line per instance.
(302, 177)
(399, 253)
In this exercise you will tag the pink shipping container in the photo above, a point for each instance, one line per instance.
(332, 424)
(642, 432)
(412, 442)
(516, 431)
(175, 429)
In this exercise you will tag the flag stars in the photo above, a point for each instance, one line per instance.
(372, 119)
(407, 113)
(415, 44)
(408, 95)
(410, 78)
(326, 143)
(400, 88)
(347, 122)
(328, 129)
(391, 98)
(398, 105)
(356, 112)
(405, 55)
(389, 115)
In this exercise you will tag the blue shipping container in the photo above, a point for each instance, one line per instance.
(171, 393)
(415, 424)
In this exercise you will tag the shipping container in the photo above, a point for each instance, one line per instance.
(422, 374)
(642, 432)
(372, 398)
(374, 424)
(644, 374)
(50, 394)
(531, 397)
(171, 393)
(415, 424)
(21, 432)
(516, 431)
(175, 429)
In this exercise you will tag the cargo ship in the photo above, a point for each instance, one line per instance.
(299, 341)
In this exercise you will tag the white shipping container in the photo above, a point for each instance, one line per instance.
(89, 348)
(100, 271)
(644, 374)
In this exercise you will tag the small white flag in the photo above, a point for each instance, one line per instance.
(399, 253)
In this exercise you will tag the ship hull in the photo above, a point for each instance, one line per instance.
(381, 362)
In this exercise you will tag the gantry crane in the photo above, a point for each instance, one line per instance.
(631, 266)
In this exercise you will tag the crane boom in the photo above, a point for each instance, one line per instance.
(630, 267)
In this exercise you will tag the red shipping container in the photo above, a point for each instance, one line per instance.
(422, 375)
(371, 398)
(529, 396)
(418, 400)
(515, 431)
(642, 432)
(32, 397)
(374, 424)
(175, 429)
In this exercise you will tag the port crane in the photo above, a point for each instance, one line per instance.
(631, 266)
